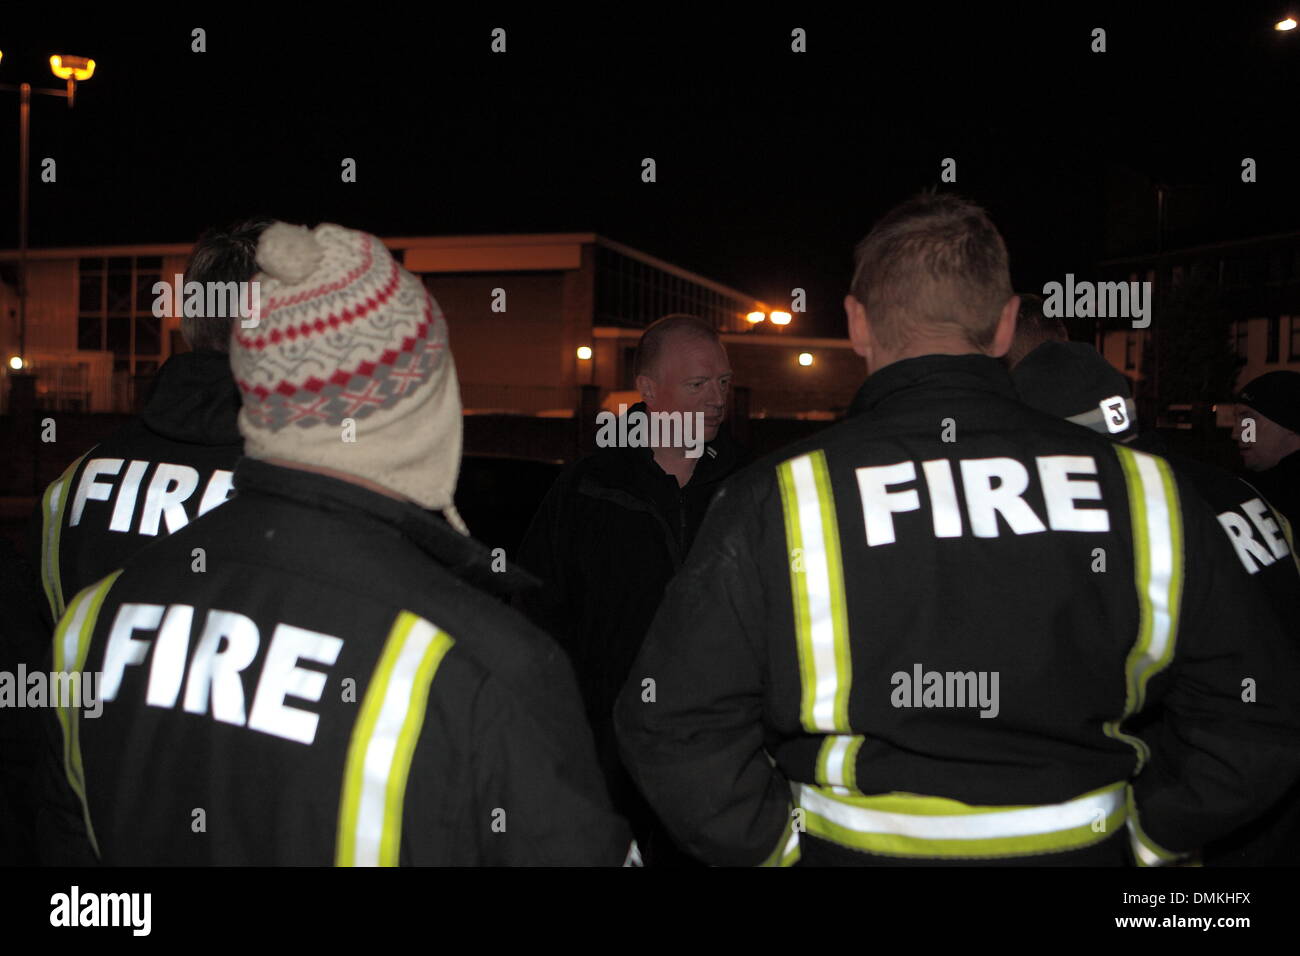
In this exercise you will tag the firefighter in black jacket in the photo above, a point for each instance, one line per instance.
(851, 669)
(170, 464)
(1071, 380)
(313, 673)
(160, 470)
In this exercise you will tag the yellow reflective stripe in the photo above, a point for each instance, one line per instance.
(71, 646)
(383, 743)
(54, 504)
(787, 848)
(837, 761)
(899, 824)
(817, 587)
(1156, 517)
(1146, 851)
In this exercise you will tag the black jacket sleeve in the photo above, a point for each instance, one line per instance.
(542, 553)
(1227, 744)
(537, 784)
(690, 718)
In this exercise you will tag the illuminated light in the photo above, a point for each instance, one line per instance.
(805, 358)
(755, 317)
(780, 318)
(1284, 25)
(72, 67)
(584, 352)
(15, 363)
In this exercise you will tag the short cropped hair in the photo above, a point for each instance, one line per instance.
(934, 263)
(1033, 328)
(221, 255)
(655, 337)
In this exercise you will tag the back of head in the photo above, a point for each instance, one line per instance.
(1033, 328)
(348, 369)
(934, 266)
(1071, 380)
(221, 256)
(1276, 396)
(662, 333)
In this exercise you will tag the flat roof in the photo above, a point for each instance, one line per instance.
(499, 241)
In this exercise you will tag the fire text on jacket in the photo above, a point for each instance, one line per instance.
(991, 487)
(164, 500)
(213, 680)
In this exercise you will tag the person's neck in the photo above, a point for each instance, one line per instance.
(674, 462)
(340, 475)
(917, 349)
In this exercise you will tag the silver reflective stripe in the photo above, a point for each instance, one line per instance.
(1145, 856)
(383, 743)
(991, 825)
(1163, 580)
(817, 576)
(837, 761)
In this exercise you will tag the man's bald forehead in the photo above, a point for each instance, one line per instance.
(667, 335)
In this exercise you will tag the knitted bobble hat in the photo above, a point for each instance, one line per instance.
(347, 366)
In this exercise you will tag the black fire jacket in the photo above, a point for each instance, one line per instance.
(159, 471)
(311, 674)
(815, 680)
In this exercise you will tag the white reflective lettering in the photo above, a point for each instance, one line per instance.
(122, 648)
(880, 505)
(1060, 492)
(281, 676)
(218, 670)
(985, 500)
(171, 485)
(89, 488)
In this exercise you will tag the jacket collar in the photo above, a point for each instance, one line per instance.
(429, 531)
(625, 467)
(931, 373)
(193, 398)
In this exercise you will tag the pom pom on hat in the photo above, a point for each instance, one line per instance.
(288, 253)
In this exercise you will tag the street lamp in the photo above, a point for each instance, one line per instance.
(1284, 25)
(72, 69)
(780, 318)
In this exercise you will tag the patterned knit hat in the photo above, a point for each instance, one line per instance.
(344, 332)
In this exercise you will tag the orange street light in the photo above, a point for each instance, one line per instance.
(755, 317)
(805, 358)
(72, 67)
(780, 318)
(584, 353)
(1284, 25)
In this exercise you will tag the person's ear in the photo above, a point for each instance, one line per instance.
(859, 328)
(1005, 334)
(646, 386)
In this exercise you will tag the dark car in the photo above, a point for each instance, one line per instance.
(498, 496)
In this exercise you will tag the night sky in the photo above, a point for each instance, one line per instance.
(771, 164)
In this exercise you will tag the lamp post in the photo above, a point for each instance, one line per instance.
(73, 70)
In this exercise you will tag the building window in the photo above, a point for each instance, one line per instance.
(1130, 351)
(1274, 328)
(1293, 353)
(115, 311)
